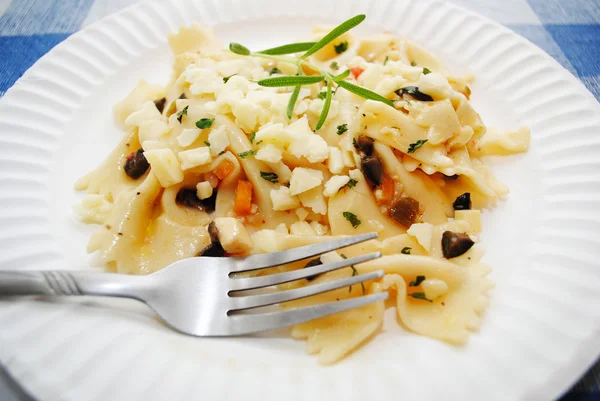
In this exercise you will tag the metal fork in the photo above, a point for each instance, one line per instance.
(201, 296)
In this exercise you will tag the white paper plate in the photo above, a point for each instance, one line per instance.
(540, 334)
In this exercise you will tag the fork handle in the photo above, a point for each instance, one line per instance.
(62, 282)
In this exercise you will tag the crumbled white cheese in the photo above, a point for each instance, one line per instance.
(301, 228)
(218, 139)
(93, 209)
(305, 143)
(314, 199)
(204, 190)
(165, 166)
(318, 228)
(269, 153)
(434, 288)
(282, 228)
(194, 158)
(335, 162)
(334, 184)
(302, 213)
(304, 179)
(423, 232)
(187, 137)
(202, 80)
(283, 200)
(473, 217)
(232, 235)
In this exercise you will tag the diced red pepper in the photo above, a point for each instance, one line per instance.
(356, 71)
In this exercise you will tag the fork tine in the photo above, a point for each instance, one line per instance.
(254, 301)
(238, 284)
(262, 261)
(252, 323)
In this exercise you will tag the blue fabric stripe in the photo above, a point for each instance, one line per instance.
(34, 17)
(18, 53)
(581, 396)
(567, 11)
(581, 44)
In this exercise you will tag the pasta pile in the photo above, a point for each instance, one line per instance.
(212, 165)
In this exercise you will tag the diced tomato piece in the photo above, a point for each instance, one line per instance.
(356, 71)
(224, 169)
(387, 189)
(243, 198)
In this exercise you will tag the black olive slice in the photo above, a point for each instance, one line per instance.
(136, 165)
(405, 211)
(455, 244)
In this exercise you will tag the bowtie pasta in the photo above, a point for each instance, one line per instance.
(216, 164)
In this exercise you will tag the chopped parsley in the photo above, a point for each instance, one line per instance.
(334, 66)
(341, 47)
(419, 295)
(354, 273)
(205, 123)
(243, 155)
(413, 147)
(387, 58)
(271, 177)
(207, 143)
(182, 113)
(351, 183)
(426, 71)
(274, 70)
(417, 281)
(225, 79)
(413, 63)
(342, 128)
(352, 219)
(406, 250)
(252, 136)
(322, 95)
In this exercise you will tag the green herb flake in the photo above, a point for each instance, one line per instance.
(419, 295)
(322, 95)
(252, 136)
(342, 128)
(413, 147)
(341, 47)
(182, 113)
(239, 49)
(205, 123)
(207, 143)
(271, 177)
(243, 155)
(354, 273)
(334, 66)
(406, 250)
(225, 79)
(352, 219)
(387, 58)
(274, 70)
(412, 63)
(350, 184)
(417, 281)
(426, 71)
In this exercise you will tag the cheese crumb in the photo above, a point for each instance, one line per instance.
(301, 228)
(283, 200)
(165, 166)
(233, 236)
(335, 162)
(434, 288)
(334, 184)
(304, 179)
(269, 153)
(204, 190)
(194, 158)
(218, 139)
(423, 232)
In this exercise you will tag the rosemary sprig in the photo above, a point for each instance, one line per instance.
(297, 81)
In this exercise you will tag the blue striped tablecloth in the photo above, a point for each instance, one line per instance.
(568, 30)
